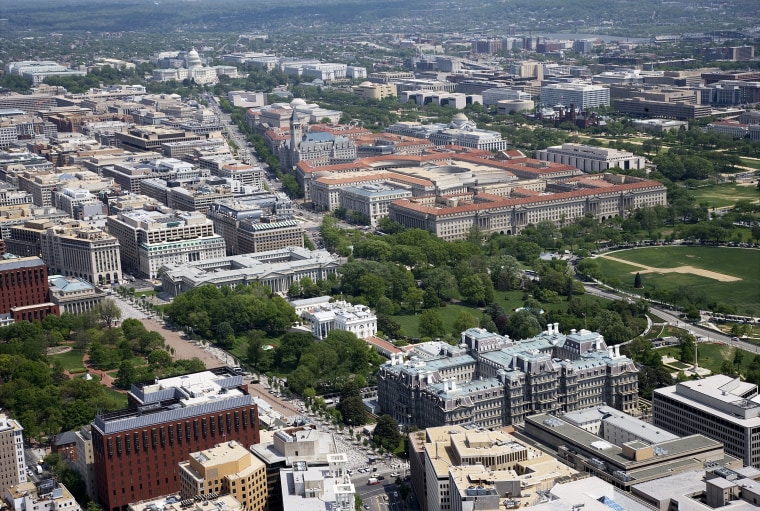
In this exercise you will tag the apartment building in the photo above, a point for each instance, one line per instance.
(225, 469)
(12, 464)
(591, 159)
(720, 407)
(494, 381)
(152, 238)
(138, 449)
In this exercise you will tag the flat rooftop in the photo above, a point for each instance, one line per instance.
(177, 398)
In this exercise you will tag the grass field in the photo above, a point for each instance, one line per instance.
(743, 294)
(724, 194)
(449, 314)
(711, 356)
(509, 300)
(70, 361)
(751, 162)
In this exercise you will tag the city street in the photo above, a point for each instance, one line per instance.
(702, 334)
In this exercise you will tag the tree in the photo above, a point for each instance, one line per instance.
(352, 408)
(463, 322)
(225, 334)
(372, 286)
(477, 289)
(431, 324)
(159, 359)
(523, 325)
(108, 312)
(386, 433)
(637, 281)
(255, 352)
(686, 348)
(413, 297)
(125, 377)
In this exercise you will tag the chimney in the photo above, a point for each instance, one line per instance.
(549, 328)
(453, 383)
(556, 328)
(610, 351)
(617, 351)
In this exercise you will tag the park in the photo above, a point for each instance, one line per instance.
(683, 275)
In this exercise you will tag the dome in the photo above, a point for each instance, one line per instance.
(298, 102)
(460, 121)
(192, 59)
(365, 84)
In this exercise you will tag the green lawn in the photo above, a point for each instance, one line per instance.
(711, 356)
(509, 300)
(751, 162)
(449, 314)
(724, 194)
(743, 263)
(70, 361)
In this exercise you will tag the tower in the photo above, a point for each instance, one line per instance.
(296, 133)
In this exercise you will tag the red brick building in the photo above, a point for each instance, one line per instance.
(137, 450)
(24, 289)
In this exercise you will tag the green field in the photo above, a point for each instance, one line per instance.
(70, 361)
(711, 356)
(751, 162)
(449, 314)
(724, 194)
(744, 294)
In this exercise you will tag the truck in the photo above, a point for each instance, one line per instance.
(373, 480)
(39, 469)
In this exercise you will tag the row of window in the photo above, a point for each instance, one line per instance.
(189, 430)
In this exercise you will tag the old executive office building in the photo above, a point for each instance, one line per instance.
(493, 381)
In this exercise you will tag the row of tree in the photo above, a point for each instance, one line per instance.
(223, 314)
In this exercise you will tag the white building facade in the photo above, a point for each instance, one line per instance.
(591, 159)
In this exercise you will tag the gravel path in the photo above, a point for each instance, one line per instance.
(183, 348)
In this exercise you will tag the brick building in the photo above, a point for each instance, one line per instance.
(24, 289)
(138, 449)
